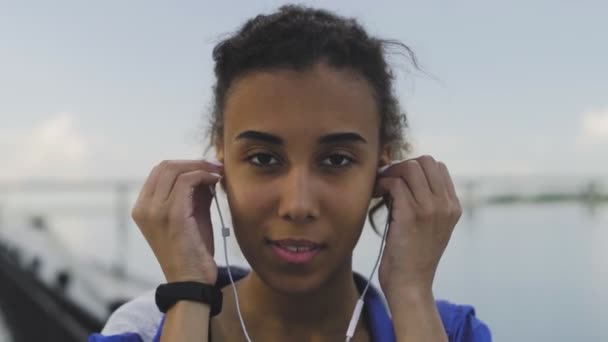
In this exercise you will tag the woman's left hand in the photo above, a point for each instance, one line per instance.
(425, 209)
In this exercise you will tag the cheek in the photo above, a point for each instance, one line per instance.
(348, 206)
(249, 203)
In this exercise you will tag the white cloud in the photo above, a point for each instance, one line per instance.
(52, 149)
(60, 148)
(594, 127)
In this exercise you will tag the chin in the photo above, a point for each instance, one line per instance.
(293, 279)
(292, 283)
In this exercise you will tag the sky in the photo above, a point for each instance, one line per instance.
(107, 89)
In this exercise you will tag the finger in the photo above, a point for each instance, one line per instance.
(396, 189)
(191, 198)
(189, 184)
(413, 175)
(172, 169)
(201, 204)
(187, 196)
(186, 201)
(147, 190)
(447, 180)
(402, 201)
(433, 175)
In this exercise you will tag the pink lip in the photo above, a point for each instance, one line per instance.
(294, 257)
(296, 242)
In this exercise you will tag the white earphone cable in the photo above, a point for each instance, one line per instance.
(350, 332)
(225, 234)
(358, 306)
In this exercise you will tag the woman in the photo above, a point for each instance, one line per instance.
(304, 116)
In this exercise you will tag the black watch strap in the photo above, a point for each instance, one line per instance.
(169, 294)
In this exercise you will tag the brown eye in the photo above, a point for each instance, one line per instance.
(262, 159)
(337, 160)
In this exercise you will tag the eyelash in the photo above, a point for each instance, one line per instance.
(349, 159)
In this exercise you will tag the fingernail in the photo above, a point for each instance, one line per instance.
(383, 168)
(214, 161)
(392, 162)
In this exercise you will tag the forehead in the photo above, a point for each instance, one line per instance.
(300, 104)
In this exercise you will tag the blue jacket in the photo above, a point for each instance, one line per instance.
(140, 320)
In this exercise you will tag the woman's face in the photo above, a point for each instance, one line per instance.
(300, 153)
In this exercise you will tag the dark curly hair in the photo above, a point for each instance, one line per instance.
(298, 37)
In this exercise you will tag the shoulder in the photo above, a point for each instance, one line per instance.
(461, 322)
(139, 316)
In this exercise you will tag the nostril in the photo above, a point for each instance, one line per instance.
(296, 217)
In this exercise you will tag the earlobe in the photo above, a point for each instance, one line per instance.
(385, 157)
(219, 159)
(219, 150)
(383, 163)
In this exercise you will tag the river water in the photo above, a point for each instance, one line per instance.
(533, 272)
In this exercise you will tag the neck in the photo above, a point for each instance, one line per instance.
(327, 309)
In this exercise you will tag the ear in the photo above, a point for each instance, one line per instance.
(219, 149)
(385, 156)
(384, 160)
(219, 155)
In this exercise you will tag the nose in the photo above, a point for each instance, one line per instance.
(298, 202)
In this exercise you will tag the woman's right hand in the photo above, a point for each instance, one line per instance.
(172, 212)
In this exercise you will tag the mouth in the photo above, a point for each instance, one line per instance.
(296, 251)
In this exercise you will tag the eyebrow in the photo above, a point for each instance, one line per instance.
(333, 138)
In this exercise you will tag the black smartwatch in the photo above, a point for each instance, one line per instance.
(169, 294)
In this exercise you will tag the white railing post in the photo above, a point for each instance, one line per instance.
(122, 222)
